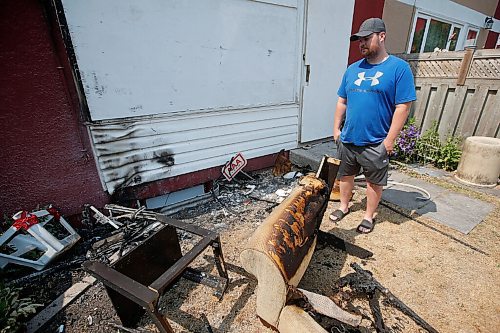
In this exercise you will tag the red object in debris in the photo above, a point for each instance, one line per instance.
(25, 221)
(54, 212)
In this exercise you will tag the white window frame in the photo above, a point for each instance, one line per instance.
(426, 29)
(453, 26)
(464, 29)
(475, 40)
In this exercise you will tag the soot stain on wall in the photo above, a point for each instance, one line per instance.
(165, 157)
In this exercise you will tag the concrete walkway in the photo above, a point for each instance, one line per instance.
(447, 207)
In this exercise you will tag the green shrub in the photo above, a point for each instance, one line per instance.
(428, 145)
(405, 149)
(411, 146)
(449, 154)
(13, 310)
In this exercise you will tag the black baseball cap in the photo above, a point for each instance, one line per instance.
(368, 27)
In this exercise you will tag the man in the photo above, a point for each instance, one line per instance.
(375, 98)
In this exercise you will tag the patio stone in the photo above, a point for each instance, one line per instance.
(452, 209)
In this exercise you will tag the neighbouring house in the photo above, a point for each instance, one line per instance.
(103, 100)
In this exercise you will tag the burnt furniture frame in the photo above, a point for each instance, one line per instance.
(137, 280)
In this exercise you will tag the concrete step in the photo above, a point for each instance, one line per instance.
(311, 155)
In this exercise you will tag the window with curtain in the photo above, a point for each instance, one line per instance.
(433, 33)
(454, 39)
(418, 35)
(437, 36)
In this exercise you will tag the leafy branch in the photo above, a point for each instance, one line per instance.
(13, 309)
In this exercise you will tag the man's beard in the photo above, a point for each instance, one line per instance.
(367, 53)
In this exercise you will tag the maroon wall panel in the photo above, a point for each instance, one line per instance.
(363, 9)
(45, 152)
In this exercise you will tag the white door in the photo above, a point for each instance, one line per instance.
(326, 52)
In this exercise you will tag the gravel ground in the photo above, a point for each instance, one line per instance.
(450, 285)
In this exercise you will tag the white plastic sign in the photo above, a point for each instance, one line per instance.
(233, 166)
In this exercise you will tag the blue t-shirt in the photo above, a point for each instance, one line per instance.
(372, 93)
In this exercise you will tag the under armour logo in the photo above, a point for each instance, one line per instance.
(374, 78)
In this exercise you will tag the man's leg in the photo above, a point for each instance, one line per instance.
(346, 186)
(375, 163)
(348, 169)
(373, 196)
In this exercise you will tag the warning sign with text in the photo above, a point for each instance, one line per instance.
(235, 165)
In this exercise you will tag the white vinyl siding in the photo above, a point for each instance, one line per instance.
(136, 152)
(175, 87)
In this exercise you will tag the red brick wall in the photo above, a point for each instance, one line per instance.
(45, 153)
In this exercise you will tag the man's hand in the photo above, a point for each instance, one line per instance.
(389, 146)
(339, 116)
(336, 135)
(398, 120)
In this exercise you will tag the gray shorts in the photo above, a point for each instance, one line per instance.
(372, 158)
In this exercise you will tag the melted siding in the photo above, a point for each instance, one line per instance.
(131, 152)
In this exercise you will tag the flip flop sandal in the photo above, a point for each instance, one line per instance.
(366, 225)
(337, 215)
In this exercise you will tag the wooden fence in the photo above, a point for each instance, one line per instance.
(458, 90)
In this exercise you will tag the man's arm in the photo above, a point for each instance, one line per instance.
(339, 116)
(398, 121)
